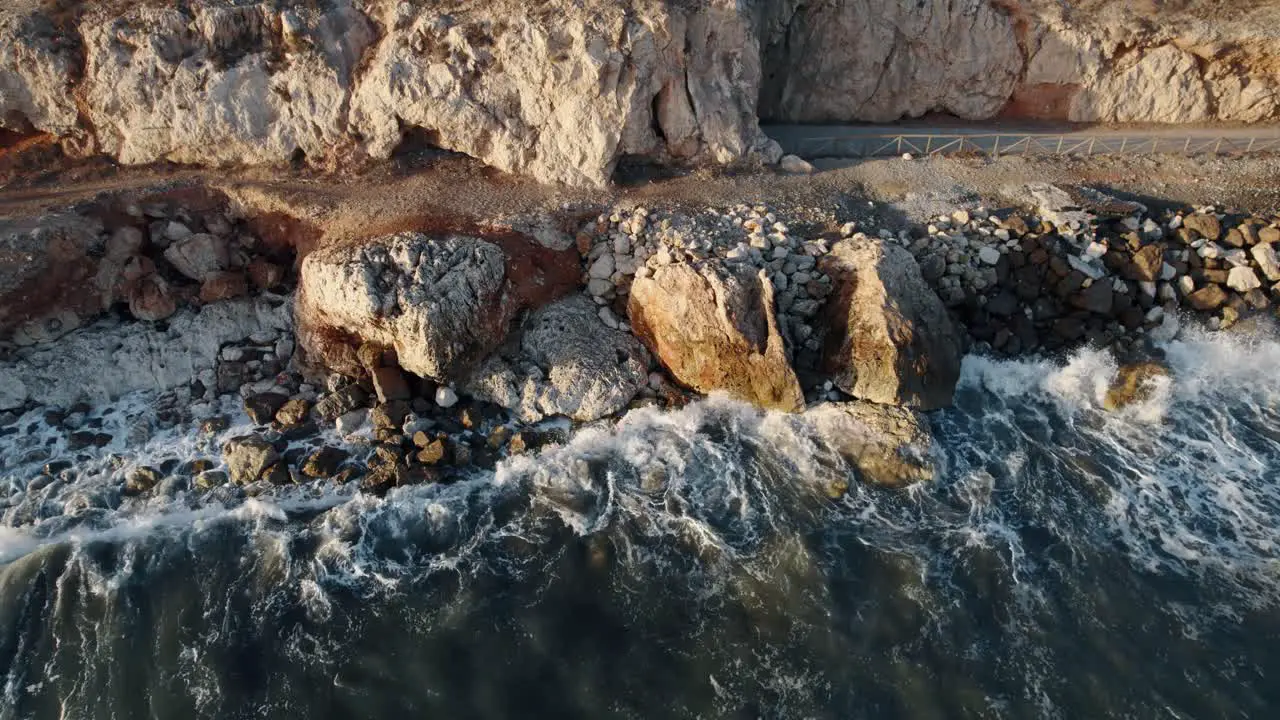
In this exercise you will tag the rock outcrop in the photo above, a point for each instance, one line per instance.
(565, 361)
(442, 303)
(876, 61)
(103, 362)
(889, 338)
(889, 446)
(559, 91)
(713, 325)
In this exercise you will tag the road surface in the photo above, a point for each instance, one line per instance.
(996, 138)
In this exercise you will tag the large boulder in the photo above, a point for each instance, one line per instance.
(889, 446)
(713, 325)
(564, 362)
(443, 303)
(889, 338)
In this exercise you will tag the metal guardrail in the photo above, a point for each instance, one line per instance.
(997, 145)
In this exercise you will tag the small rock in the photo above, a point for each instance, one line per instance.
(795, 165)
(141, 480)
(262, 408)
(989, 255)
(446, 397)
(293, 413)
(1243, 279)
(324, 463)
(352, 422)
(432, 454)
(1209, 297)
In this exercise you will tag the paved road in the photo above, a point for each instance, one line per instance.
(813, 141)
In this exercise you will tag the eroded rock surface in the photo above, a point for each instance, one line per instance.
(440, 302)
(713, 325)
(567, 363)
(105, 361)
(889, 339)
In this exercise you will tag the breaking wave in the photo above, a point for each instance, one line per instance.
(1068, 562)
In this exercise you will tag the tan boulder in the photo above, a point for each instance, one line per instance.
(713, 326)
(1133, 384)
(889, 446)
(889, 338)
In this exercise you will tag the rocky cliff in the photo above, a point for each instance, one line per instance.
(561, 90)
(1075, 60)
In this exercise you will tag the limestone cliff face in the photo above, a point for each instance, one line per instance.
(556, 90)
(562, 89)
(1083, 60)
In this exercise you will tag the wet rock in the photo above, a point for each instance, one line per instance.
(889, 446)
(1133, 384)
(1098, 298)
(324, 463)
(278, 474)
(209, 479)
(352, 422)
(889, 338)
(432, 453)
(262, 408)
(713, 326)
(293, 413)
(248, 457)
(567, 363)
(141, 480)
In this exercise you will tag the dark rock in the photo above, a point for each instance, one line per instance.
(324, 462)
(81, 440)
(390, 416)
(55, 467)
(1069, 328)
(278, 474)
(195, 467)
(390, 385)
(262, 408)
(933, 267)
(499, 437)
(1003, 304)
(1097, 298)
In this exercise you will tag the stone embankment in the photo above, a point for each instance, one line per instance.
(562, 90)
(415, 356)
